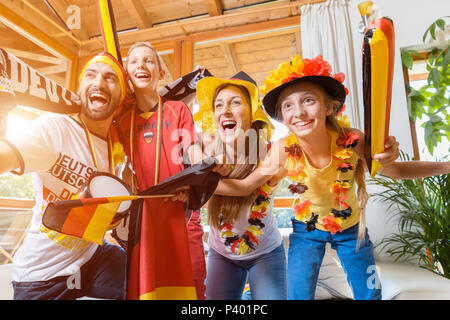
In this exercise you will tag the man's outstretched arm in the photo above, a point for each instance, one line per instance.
(8, 157)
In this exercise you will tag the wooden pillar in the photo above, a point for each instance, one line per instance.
(183, 53)
(187, 57)
(177, 58)
(412, 124)
(72, 74)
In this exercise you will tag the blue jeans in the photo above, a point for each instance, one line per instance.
(103, 276)
(306, 251)
(225, 278)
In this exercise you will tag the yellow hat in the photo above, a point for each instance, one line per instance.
(206, 88)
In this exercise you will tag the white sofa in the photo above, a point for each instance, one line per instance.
(399, 280)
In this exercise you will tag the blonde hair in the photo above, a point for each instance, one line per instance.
(228, 208)
(361, 195)
(147, 45)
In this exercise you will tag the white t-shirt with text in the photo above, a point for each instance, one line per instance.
(55, 149)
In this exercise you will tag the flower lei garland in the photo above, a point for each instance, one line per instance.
(339, 188)
(240, 244)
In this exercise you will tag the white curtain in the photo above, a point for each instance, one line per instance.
(326, 30)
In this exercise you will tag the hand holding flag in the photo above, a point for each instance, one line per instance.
(89, 218)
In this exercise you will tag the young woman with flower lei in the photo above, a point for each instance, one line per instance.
(324, 159)
(244, 240)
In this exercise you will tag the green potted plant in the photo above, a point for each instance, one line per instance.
(433, 98)
(422, 207)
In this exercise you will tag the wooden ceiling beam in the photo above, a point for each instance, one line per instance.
(92, 47)
(12, 203)
(215, 7)
(29, 13)
(137, 11)
(16, 20)
(259, 33)
(34, 56)
(246, 29)
(60, 6)
(53, 69)
(202, 27)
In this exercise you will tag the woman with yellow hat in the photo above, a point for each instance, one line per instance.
(244, 240)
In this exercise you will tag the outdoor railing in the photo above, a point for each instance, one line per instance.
(15, 219)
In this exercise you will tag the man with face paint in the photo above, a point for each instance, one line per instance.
(62, 152)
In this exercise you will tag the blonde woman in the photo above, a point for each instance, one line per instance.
(244, 241)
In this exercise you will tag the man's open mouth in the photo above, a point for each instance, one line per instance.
(98, 99)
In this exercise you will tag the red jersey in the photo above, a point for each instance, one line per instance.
(160, 138)
(159, 258)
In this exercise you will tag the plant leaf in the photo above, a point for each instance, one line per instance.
(431, 136)
(435, 77)
(435, 118)
(415, 104)
(433, 31)
(425, 34)
(441, 24)
(415, 53)
(437, 101)
(411, 111)
(446, 60)
(407, 59)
